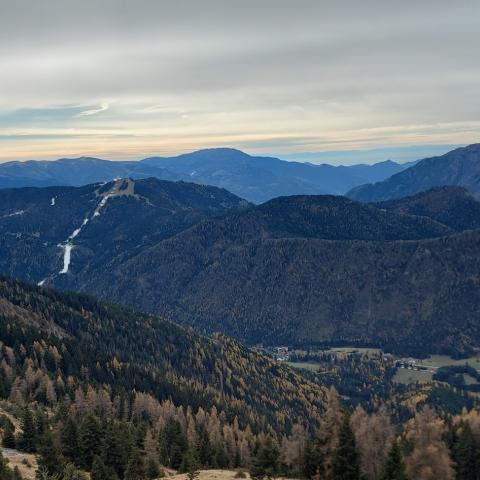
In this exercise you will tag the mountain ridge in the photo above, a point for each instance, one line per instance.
(255, 178)
(323, 269)
(460, 167)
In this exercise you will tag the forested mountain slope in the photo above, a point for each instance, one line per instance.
(295, 270)
(46, 233)
(78, 341)
(459, 167)
(305, 270)
(451, 206)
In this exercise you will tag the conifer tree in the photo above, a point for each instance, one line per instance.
(69, 440)
(4, 386)
(135, 467)
(116, 446)
(28, 438)
(467, 455)
(313, 460)
(394, 468)
(152, 469)
(204, 448)
(265, 462)
(346, 459)
(89, 440)
(50, 462)
(100, 471)
(190, 461)
(8, 437)
(40, 424)
(172, 444)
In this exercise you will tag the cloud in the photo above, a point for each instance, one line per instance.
(94, 111)
(182, 74)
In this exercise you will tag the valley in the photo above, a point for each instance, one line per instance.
(239, 240)
(300, 270)
(263, 333)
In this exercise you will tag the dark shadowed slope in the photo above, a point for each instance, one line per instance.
(459, 167)
(71, 334)
(305, 270)
(451, 206)
(295, 270)
(99, 222)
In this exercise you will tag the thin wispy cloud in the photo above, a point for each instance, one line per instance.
(94, 111)
(183, 75)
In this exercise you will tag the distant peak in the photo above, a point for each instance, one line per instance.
(220, 151)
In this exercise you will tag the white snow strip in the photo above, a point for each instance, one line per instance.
(41, 282)
(78, 230)
(67, 246)
(102, 203)
(104, 200)
(19, 212)
(67, 251)
(52, 202)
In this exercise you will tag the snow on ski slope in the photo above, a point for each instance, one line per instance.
(13, 214)
(68, 245)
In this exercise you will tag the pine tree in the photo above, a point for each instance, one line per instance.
(69, 440)
(394, 466)
(4, 384)
(220, 457)
(8, 437)
(89, 440)
(346, 459)
(172, 444)
(466, 454)
(152, 469)
(116, 446)
(190, 461)
(100, 471)
(313, 460)
(265, 462)
(204, 448)
(41, 424)
(135, 467)
(28, 437)
(50, 461)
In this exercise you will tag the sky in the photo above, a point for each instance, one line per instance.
(298, 79)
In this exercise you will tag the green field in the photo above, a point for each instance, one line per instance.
(312, 366)
(438, 361)
(406, 376)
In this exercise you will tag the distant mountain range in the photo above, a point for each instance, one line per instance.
(459, 167)
(296, 270)
(256, 179)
